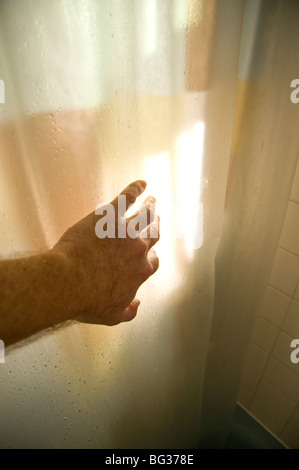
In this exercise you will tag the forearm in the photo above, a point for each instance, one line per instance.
(35, 294)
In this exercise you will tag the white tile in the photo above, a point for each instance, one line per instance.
(295, 187)
(250, 378)
(275, 306)
(264, 334)
(275, 399)
(244, 397)
(285, 272)
(290, 232)
(294, 421)
(290, 437)
(256, 358)
(291, 323)
(282, 351)
(266, 416)
(283, 378)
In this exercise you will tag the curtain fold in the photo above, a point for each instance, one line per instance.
(264, 156)
(186, 95)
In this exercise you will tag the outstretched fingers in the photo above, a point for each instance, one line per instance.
(144, 216)
(151, 233)
(128, 196)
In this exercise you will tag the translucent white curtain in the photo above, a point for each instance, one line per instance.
(97, 94)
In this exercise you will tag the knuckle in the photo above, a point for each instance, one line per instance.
(155, 264)
(141, 246)
(130, 197)
(147, 270)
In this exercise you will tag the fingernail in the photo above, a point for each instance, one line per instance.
(143, 183)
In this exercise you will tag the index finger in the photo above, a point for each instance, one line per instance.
(129, 194)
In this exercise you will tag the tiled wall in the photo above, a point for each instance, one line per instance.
(270, 383)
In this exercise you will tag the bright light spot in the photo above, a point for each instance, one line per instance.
(157, 173)
(176, 186)
(175, 183)
(179, 9)
(188, 167)
(148, 23)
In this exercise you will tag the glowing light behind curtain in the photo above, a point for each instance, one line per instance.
(98, 94)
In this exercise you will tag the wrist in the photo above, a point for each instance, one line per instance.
(36, 294)
(62, 287)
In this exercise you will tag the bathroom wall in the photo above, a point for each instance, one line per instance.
(270, 383)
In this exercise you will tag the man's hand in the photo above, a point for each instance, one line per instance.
(83, 277)
(107, 272)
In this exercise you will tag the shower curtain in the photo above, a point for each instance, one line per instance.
(194, 97)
